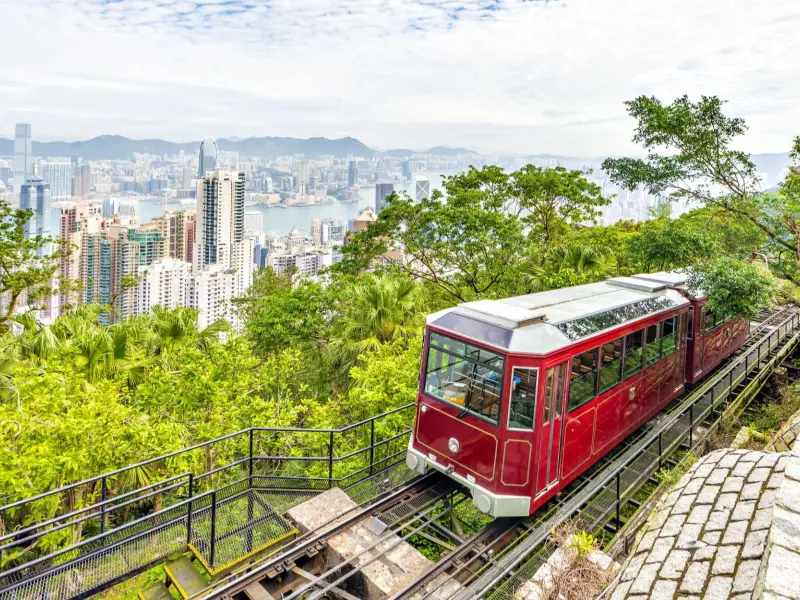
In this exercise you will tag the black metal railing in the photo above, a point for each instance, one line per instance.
(212, 495)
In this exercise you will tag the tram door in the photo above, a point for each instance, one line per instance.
(551, 431)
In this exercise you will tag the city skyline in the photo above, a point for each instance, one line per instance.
(494, 76)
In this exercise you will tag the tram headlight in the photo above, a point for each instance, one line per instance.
(453, 445)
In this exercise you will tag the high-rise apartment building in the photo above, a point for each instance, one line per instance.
(59, 176)
(352, 174)
(82, 181)
(208, 156)
(302, 176)
(35, 195)
(23, 156)
(333, 232)
(382, 191)
(219, 218)
(163, 283)
(422, 188)
(69, 231)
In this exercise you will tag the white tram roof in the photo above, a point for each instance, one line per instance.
(548, 321)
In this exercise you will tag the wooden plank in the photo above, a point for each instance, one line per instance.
(256, 591)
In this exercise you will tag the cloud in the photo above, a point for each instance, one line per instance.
(513, 75)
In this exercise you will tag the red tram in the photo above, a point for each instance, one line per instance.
(518, 396)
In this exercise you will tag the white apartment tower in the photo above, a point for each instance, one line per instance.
(219, 218)
(23, 156)
(59, 176)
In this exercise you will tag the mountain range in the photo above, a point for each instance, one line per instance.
(115, 147)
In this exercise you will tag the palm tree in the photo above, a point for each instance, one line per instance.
(379, 309)
(584, 264)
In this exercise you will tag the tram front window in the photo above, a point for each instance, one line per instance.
(465, 375)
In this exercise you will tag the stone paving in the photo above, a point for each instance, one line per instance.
(707, 537)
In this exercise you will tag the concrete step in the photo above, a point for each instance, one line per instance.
(185, 577)
(155, 591)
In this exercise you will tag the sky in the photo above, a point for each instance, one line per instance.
(520, 76)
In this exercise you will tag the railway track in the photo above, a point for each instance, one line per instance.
(494, 561)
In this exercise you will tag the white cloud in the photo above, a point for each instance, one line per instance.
(515, 75)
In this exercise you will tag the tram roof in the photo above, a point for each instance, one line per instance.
(548, 321)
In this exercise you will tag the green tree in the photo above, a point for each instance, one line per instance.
(553, 201)
(733, 287)
(566, 265)
(690, 155)
(377, 310)
(26, 265)
(465, 241)
(664, 244)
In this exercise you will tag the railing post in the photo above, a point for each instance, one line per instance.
(619, 524)
(691, 426)
(250, 477)
(730, 385)
(103, 494)
(213, 528)
(659, 450)
(371, 445)
(330, 461)
(189, 510)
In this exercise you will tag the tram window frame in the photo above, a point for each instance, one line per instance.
(651, 359)
(470, 352)
(511, 425)
(665, 352)
(577, 402)
(605, 366)
(690, 325)
(626, 374)
(714, 322)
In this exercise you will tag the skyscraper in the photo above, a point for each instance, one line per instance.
(352, 174)
(59, 176)
(407, 170)
(35, 195)
(382, 191)
(220, 217)
(208, 156)
(302, 176)
(422, 188)
(23, 156)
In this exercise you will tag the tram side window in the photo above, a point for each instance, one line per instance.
(523, 398)
(610, 364)
(465, 375)
(713, 321)
(669, 333)
(652, 348)
(690, 330)
(634, 353)
(583, 378)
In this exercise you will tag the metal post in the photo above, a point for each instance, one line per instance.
(189, 510)
(330, 461)
(659, 450)
(213, 527)
(691, 425)
(103, 493)
(730, 385)
(371, 445)
(618, 504)
(250, 477)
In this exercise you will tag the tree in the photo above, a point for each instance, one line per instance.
(690, 156)
(26, 265)
(279, 313)
(379, 309)
(466, 241)
(553, 201)
(664, 244)
(565, 266)
(733, 288)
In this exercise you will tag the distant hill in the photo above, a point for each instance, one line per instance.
(438, 150)
(399, 152)
(115, 147)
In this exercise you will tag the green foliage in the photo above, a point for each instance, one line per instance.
(670, 477)
(733, 288)
(26, 264)
(583, 543)
(690, 156)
